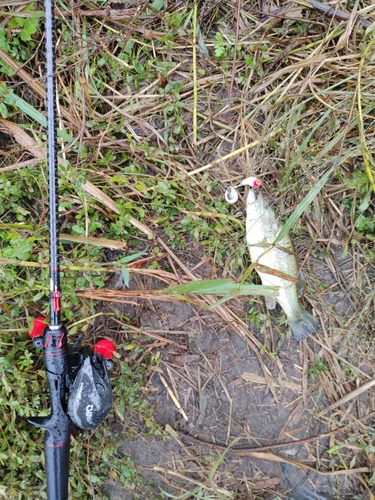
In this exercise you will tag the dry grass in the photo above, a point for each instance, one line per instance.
(284, 92)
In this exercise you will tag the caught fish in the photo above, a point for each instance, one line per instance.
(262, 228)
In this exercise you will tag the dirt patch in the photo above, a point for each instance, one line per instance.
(244, 424)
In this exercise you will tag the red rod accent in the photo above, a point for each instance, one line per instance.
(56, 300)
(59, 343)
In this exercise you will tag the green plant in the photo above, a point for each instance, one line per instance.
(365, 220)
(21, 44)
(316, 369)
(127, 100)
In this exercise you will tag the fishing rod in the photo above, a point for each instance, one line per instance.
(80, 391)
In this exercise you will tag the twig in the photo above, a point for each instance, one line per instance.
(187, 380)
(266, 447)
(233, 153)
(348, 397)
(331, 11)
(18, 165)
(173, 397)
(189, 479)
(257, 379)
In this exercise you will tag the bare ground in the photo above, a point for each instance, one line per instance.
(251, 424)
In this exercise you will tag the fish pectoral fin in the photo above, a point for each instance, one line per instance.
(301, 287)
(270, 302)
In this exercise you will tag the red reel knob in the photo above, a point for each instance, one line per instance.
(40, 324)
(106, 348)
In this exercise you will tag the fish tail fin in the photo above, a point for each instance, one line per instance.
(305, 325)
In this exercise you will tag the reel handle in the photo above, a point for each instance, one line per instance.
(37, 333)
(106, 348)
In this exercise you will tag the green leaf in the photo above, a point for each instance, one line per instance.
(3, 110)
(125, 275)
(33, 113)
(157, 4)
(369, 449)
(3, 40)
(200, 41)
(133, 256)
(17, 22)
(30, 27)
(38, 296)
(302, 207)
(94, 479)
(18, 249)
(221, 286)
(219, 52)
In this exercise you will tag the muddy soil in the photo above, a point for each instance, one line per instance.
(230, 395)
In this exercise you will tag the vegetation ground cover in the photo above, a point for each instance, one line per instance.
(163, 105)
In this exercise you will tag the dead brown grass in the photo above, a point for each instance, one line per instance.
(291, 96)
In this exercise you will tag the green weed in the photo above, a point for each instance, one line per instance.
(316, 369)
(128, 83)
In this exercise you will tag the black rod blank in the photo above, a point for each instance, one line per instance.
(52, 163)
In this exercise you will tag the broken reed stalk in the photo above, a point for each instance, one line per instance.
(367, 157)
(195, 86)
(332, 11)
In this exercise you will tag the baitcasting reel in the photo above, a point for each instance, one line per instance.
(87, 383)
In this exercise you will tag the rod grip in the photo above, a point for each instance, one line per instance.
(57, 424)
(57, 470)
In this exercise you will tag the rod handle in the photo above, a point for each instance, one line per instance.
(57, 470)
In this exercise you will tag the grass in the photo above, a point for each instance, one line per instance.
(153, 128)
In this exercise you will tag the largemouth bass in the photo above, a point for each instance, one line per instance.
(262, 227)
